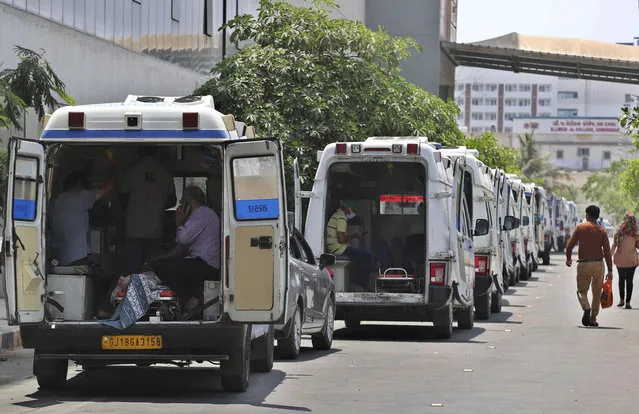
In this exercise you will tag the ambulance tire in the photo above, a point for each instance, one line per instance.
(235, 370)
(263, 352)
(289, 347)
(505, 278)
(517, 275)
(50, 373)
(546, 257)
(495, 303)
(523, 273)
(483, 306)
(443, 321)
(535, 265)
(466, 318)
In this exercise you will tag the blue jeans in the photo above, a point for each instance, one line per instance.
(364, 261)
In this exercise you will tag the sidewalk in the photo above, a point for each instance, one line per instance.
(9, 335)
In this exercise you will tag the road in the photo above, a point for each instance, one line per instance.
(534, 357)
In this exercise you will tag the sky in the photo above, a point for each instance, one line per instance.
(604, 20)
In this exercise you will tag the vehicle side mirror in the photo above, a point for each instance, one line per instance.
(482, 227)
(509, 223)
(525, 221)
(326, 259)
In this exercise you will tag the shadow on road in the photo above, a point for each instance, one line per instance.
(502, 317)
(308, 354)
(192, 385)
(405, 333)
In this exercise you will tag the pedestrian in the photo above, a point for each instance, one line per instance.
(594, 247)
(624, 251)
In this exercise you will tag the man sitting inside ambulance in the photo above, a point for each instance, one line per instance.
(337, 244)
(196, 256)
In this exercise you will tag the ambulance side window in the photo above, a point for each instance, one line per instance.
(256, 189)
(25, 195)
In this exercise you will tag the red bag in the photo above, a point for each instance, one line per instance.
(606, 294)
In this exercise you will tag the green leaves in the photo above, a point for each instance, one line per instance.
(32, 84)
(493, 154)
(613, 188)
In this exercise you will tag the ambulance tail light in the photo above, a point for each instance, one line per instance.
(481, 265)
(412, 148)
(76, 120)
(340, 148)
(190, 120)
(437, 273)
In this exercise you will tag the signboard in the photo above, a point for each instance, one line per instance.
(568, 126)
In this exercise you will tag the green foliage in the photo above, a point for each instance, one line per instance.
(493, 154)
(610, 190)
(32, 84)
(311, 80)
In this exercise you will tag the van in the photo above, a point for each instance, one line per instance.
(506, 222)
(561, 218)
(244, 181)
(539, 208)
(573, 219)
(526, 231)
(516, 234)
(413, 213)
(488, 276)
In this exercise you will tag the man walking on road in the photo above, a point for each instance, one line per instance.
(593, 248)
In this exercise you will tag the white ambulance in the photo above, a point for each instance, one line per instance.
(481, 199)
(516, 234)
(540, 207)
(507, 223)
(54, 305)
(414, 215)
(525, 232)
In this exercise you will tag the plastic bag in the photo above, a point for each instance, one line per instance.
(606, 294)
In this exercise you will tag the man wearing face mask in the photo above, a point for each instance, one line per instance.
(337, 243)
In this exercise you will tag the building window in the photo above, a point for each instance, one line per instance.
(175, 10)
(523, 115)
(477, 116)
(491, 87)
(567, 95)
(560, 154)
(607, 155)
(478, 87)
(490, 116)
(477, 101)
(460, 87)
(545, 88)
(460, 101)
(460, 117)
(510, 87)
(567, 112)
(510, 102)
(509, 116)
(583, 152)
(491, 101)
(524, 87)
(545, 114)
(544, 102)
(524, 102)
(508, 130)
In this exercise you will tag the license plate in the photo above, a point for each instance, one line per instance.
(118, 342)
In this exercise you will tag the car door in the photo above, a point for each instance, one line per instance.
(24, 243)
(319, 283)
(309, 285)
(255, 232)
(296, 276)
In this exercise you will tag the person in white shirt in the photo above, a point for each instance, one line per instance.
(146, 192)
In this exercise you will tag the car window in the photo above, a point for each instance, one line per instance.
(307, 252)
(294, 248)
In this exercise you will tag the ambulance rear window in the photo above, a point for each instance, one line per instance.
(400, 204)
(256, 188)
(25, 189)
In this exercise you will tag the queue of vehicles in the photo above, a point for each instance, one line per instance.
(449, 235)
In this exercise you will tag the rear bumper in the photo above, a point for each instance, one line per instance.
(180, 341)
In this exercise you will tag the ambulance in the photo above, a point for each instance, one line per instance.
(507, 223)
(483, 207)
(550, 235)
(414, 214)
(517, 243)
(243, 176)
(540, 206)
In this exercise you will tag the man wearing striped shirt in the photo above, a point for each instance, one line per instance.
(337, 243)
(197, 254)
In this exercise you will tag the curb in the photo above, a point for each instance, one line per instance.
(10, 338)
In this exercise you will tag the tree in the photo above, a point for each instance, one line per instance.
(311, 80)
(606, 189)
(493, 154)
(32, 84)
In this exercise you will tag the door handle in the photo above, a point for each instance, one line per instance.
(262, 242)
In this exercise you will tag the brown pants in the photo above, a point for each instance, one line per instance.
(590, 275)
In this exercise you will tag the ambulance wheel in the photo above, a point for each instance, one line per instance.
(50, 373)
(324, 340)
(443, 321)
(466, 318)
(483, 306)
(523, 273)
(517, 275)
(495, 303)
(235, 370)
(505, 278)
(263, 353)
(546, 258)
(289, 347)
(535, 265)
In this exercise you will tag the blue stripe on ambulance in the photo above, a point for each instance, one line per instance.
(267, 208)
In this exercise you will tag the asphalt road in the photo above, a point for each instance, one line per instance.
(534, 357)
